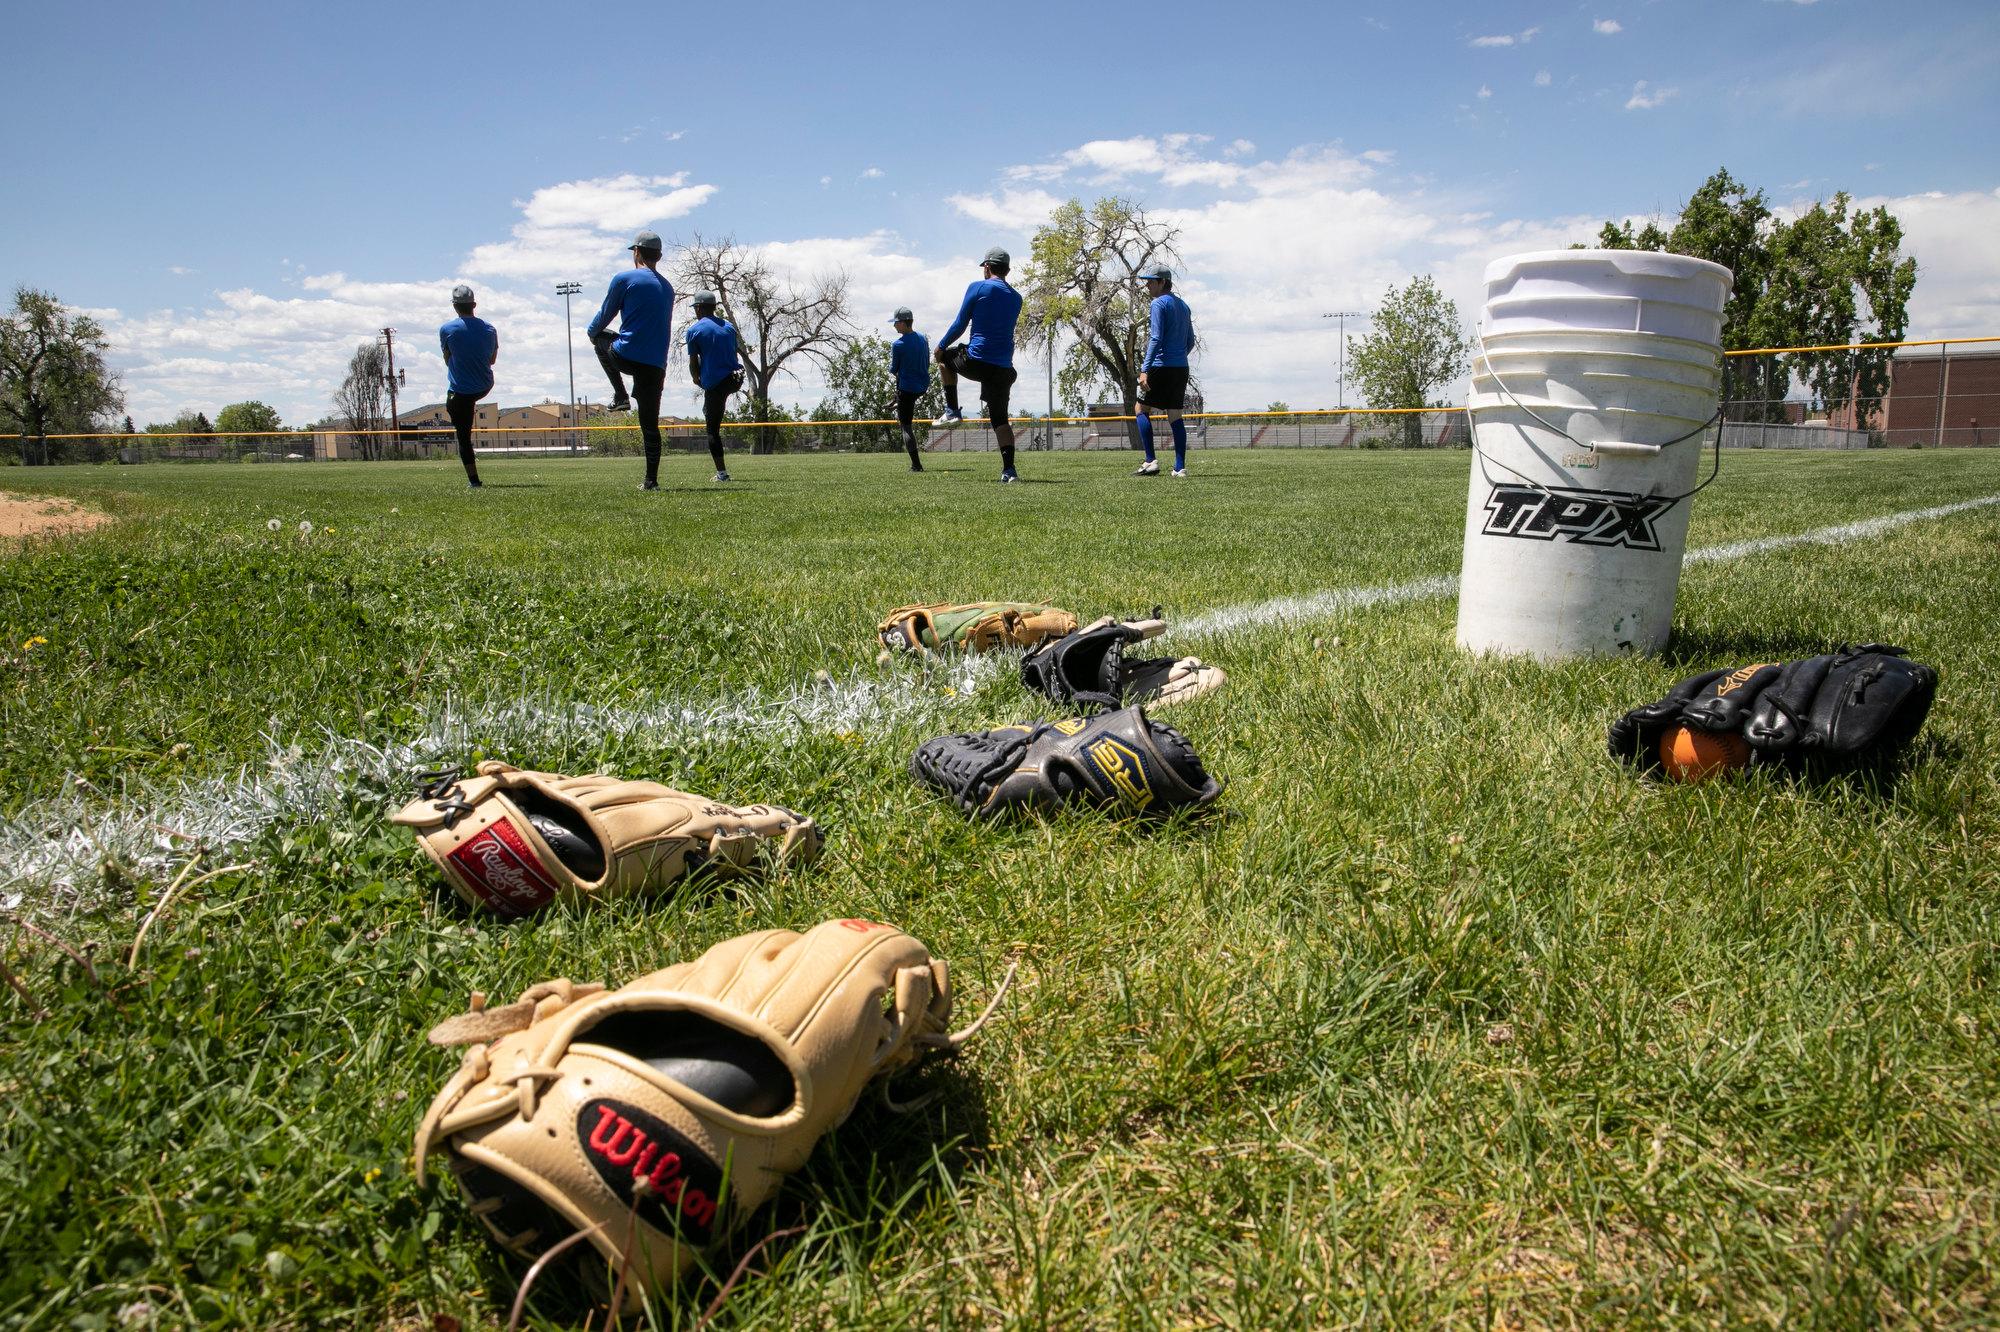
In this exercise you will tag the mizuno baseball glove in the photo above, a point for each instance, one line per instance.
(656, 1117)
(511, 840)
(1849, 707)
(977, 626)
(1089, 670)
(1116, 759)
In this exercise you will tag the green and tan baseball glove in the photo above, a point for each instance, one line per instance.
(654, 1118)
(511, 841)
(973, 626)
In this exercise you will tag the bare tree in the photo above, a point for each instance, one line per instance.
(776, 320)
(1083, 278)
(360, 398)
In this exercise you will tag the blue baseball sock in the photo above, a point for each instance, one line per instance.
(1179, 427)
(1146, 435)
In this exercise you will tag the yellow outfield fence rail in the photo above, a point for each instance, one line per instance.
(1936, 398)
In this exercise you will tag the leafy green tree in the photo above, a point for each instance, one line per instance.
(1415, 344)
(860, 387)
(53, 377)
(189, 422)
(241, 419)
(1279, 406)
(1081, 280)
(1827, 277)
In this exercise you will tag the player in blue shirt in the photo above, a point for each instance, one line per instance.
(989, 311)
(910, 363)
(470, 346)
(1163, 371)
(643, 302)
(711, 348)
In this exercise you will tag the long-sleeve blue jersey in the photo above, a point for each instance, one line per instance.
(910, 362)
(643, 302)
(1169, 333)
(991, 308)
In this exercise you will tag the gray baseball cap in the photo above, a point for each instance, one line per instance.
(1160, 271)
(462, 295)
(702, 298)
(902, 313)
(649, 241)
(998, 258)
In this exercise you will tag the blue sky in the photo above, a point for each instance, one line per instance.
(243, 192)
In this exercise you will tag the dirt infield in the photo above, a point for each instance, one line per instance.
(24, 516)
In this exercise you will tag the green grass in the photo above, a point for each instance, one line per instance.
(1449, 1020)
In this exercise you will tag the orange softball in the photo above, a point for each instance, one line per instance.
(1691, 755)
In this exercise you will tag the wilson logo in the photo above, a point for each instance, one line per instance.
(625, 1145)
(503, 871)
(1124, 770)
(1586, 517)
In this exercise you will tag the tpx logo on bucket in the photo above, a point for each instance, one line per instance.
(1588, 517)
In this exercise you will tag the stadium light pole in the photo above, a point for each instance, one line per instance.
(567, 290)
(1340, 376)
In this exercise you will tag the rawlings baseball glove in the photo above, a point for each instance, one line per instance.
(976, 626)
(1089, 670)
(511, 840)
(1116, 759)
(1850, 707)
(656, 1117)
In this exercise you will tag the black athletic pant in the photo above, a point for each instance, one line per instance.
(647, 381)
(906, 412)
(714, 402)
(462, 408)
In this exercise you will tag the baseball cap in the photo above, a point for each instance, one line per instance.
(902, 313)
(462, 295)
(702, 298)
(1160, 271)
(649, 241)
(998, 258)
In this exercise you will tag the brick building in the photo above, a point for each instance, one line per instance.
(1943, 401)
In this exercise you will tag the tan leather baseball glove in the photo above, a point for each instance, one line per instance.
(974, 626)
(657, 1116)
(511, 840)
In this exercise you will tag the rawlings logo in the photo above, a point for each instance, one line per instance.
(502, 871)
(625, 1145)
(1587, 517)
(1124, 770)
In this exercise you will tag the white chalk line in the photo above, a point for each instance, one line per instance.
(58, 845)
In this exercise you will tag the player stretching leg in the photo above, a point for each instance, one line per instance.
(711, 347)
(643, 301)
(471, 346)
(1163, 371)
(990, 310)
(910, 363)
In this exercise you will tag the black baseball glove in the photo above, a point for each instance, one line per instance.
(1088, 669)
(1118, 759)
(1847, 708)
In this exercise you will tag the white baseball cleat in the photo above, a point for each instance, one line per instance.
(1181, 472)
(1147, 468)
(950, 418)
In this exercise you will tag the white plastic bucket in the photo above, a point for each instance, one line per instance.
(1596, 371)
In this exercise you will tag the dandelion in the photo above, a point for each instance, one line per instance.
(33, 643)
(274, 524)
(305, 527)
(374, 1173)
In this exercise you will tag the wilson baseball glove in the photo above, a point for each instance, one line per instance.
(1850, 707)
(511, 841)
(654, 1118)
(1088, 669)
(1120, 760)
(976, 626)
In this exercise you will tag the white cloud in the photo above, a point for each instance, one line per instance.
(179, 270)
(1484, 92)
(1239, 148)
(576, 225)
(873, 173)
(1379, 156)
(1607, 27)
(1645, 97)
(1010, 210)
(1542, 79)
(1521, 38)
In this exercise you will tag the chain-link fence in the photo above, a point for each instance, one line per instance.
(1939, 396)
